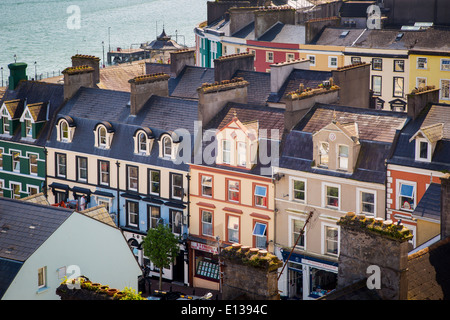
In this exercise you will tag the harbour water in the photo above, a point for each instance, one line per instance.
(46, 33)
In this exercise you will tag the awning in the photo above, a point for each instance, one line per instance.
(131, 196)
(103, 194)
(175, 205)
(153, 200)
(60, 186)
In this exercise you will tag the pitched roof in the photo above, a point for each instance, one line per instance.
(99, 213)
(284, 33)
(8, 271)
(430, 204)
(15, 107)
(38, 111)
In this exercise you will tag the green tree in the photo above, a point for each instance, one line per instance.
(161, 247)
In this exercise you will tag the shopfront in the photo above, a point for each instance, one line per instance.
(205, 268)
(309, 278)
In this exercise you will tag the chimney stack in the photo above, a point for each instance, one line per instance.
(376, 243)
(279, 72)
(77, 77)
(419, 98)
(179, 59)
(226, 66)
(18, 72)
(143, 87)
(86, 60)
(354, 81)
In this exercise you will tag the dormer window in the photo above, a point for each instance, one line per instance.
(103, 135)
(5, 120)
(426, 140)
(167, 147)
(242, 154)
(343, 157)
(65, 129)
(423, 150)
(143, 141)
(226, 151)
(28, 129)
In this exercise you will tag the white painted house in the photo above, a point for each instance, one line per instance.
(40, 245)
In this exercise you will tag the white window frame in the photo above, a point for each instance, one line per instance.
(359, 206)
(6, 117)
(165, 148)
(241, 153)
(258, 238)
(397, 200)
(11, 187)
(442, 91)
(448, 65)
(339, 157)
(29, 187)
(11, 152)
(2, 151)
(129, 213)
(172, 185)
(233, 229)
(232, 189)
(42, 285)
(142, 143)
(106, 201)
(291, 232)
(266, 196)
(203, 184)
(210, 225)
(268, 54)
(2, 187)
(228, 151)
(102, 144)
(130, 178)
(313, 62)
(330, 62)
(320, 164)
(426, 63)
(324, 195)
(29, 154)
(323, 237)
(151, 181)
(290, 56)
(64, 129)
(100, 173)
(291, 189)
(79, 168)
(417, 150)
(58, 165)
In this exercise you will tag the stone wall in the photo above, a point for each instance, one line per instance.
(249, 274)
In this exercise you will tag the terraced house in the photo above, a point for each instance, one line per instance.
(120, 149)
(26, 115)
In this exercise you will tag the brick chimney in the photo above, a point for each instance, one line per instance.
(179, 59)
(376, 242)
(213, 97)
(249, 274)
(226, 66)
(445, 206)
(143, 87)
(86, 60)
(77, 77)
(419, 98)
(354, 81)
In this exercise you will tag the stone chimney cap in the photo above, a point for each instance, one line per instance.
(149, 78)
(235, 56)
(85, 56)
(223, 85)
(77, 69)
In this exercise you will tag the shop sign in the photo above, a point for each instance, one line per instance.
(320, 265)
(204, 247)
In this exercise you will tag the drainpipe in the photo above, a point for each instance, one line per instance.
(44, 187)
(118, 193)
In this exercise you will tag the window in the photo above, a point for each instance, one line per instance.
(60, 197)
(154, 214)
(102, 137)
(355, 60)
(142, 143)
(399, 65)
(312, 60)
(323, 154)
(398, 87)
(82, 169)
(2, 185)
(64, 127)
(367, 202)
(376, 85)
(176, 220)
(445, 89)
(233, 190)
(331, 240)
(42, 277)
(332, 62)
(103, 172)
(167, 147)
(207, 186)
(15, 189)
(1, 158)
(207, 223)
(226, 151)
(422, 63)
(28, 129)
(445, 64)
(242, 154)
(254, 54)
(33, 158)
(260, 235)
(233, 229)
(377, 64)
(290, 57)
(32, 190)
(15, 160)
(296, 227)
(406, 196)
(132, 178)
(343, 157)
(177, 186)
(269, 56)
(421, 82)
(423, 150)
(5, 119)
(260, 196)
(132, 214)
(332, 197)
(104, 202)
(61, 165)
(154, 182)
(298, 190)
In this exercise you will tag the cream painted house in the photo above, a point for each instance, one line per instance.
(332, 163)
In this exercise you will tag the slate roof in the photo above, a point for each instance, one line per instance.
(297, 147)
(430, 204)
(37, 92)
(8, 271)
(284, 33)
(247, 32)
(404, 150)
(187, 82)
(258, 90)
(90, 106)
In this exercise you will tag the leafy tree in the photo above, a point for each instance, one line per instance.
(161, 247)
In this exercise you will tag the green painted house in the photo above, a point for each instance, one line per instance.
(26, 111)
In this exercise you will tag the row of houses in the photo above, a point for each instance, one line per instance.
(228, 155)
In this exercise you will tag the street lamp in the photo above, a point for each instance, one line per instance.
(2, 75)
(109, 39)
(103, 46)
(35, 72)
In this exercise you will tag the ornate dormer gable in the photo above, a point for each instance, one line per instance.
(426, 139)
(10, 113)
(238, 143)
(143, 141)
(33, 119)
(169, 143)
(65, 129)
(336, 146)
(103, 133)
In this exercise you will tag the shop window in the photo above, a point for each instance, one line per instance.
(207, 223)
(207, 267)
(260, 196)
(233, 190)
(60, 196)
(260, 235)
(407, 196)
(322, 282)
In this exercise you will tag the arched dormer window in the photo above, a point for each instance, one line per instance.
(169, 144)
(167, 147)
(103, 135)
(65, 129)
(143, 141)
